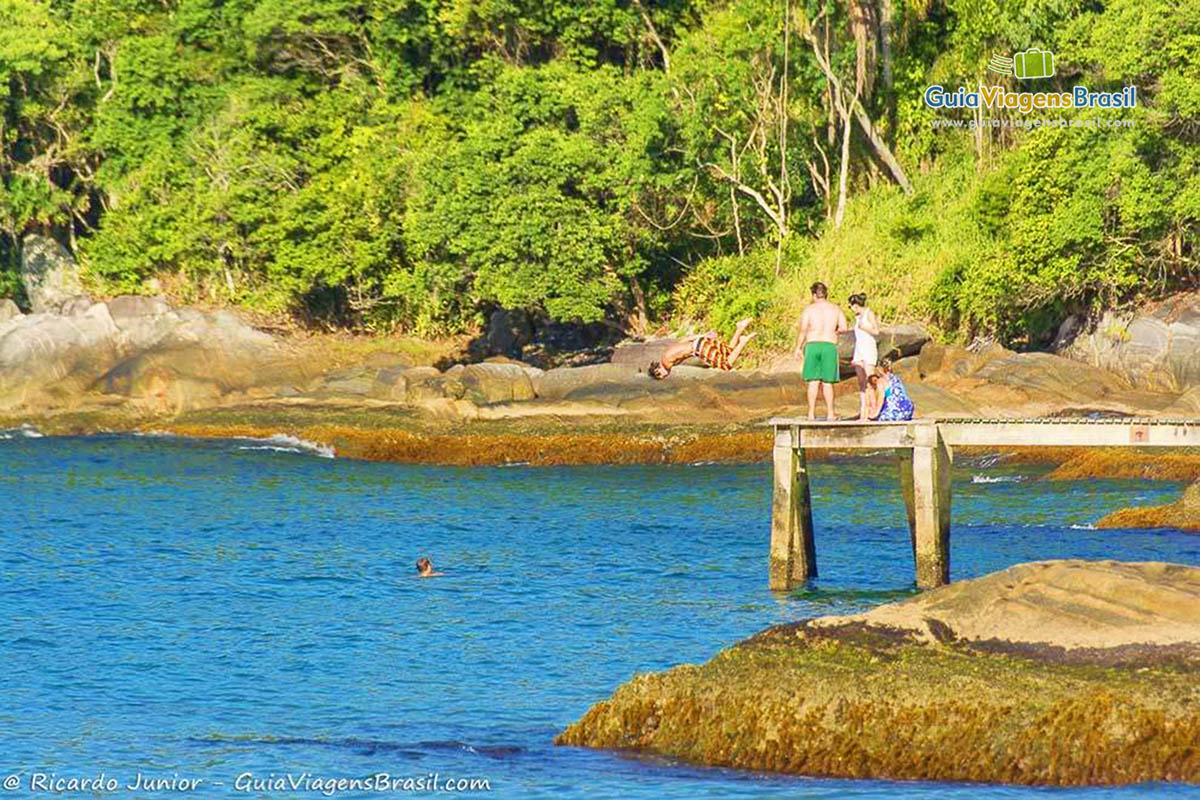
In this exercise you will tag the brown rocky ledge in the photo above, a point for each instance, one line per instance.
(1184, 514)
(134, 363)
(1061, 672)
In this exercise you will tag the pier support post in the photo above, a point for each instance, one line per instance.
(793, 557)
(927, 498)
(906, 486)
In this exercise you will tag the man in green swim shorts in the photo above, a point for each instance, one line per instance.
(820, 325)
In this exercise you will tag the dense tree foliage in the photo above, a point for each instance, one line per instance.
(411, 164)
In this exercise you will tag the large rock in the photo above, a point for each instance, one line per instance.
(1186, 405)
(1050, 375)
(1054, 673)
(556, 384)
(166, 359)
(391, 383)
(46, 353)
(129, 310)
(1064, 604)
(49, 274)
(357, 381)
(8, 310)
(897, 341)
(1157, 347)
(487, 384)
(424, 385)
(640, 354)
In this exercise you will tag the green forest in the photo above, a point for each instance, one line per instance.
(409, 166)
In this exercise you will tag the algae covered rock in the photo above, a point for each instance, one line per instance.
(1184, 514)
(1063, 673)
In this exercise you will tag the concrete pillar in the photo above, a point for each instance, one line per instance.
(793, 557)
(906, 486)
(929, 508)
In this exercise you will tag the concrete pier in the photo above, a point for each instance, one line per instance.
(925, 452)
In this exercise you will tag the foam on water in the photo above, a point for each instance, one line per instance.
(283, 443)
(998, 478)
(278, 443)
(25, 431)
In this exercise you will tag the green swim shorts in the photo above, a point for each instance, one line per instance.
(821, 362)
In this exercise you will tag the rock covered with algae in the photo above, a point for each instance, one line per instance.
(1184, 514)
(1059, 672)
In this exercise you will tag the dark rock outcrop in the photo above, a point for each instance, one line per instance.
(639, 354)
(50, 276)
(897, 341)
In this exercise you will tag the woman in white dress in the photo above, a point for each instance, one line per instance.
(866, 350)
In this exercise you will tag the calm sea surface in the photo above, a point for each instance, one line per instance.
(212, 609)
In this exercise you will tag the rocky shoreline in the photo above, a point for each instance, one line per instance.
(134, 363)
(1053, 673)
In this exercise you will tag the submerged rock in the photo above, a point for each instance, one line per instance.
(1062, 672)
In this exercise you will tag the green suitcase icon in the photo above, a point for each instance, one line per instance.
(1033, 64)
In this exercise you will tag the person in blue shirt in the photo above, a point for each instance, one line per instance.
(889, 400)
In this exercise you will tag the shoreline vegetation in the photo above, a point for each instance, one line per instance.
(1050, 673)
(627, 166)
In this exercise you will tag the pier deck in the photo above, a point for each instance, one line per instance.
(925, 451)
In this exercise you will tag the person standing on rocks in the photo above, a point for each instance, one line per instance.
(820, 325)
(866, 349)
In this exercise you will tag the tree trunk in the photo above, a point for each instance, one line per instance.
(885, 41)
(640, 319)
(881, 149)
(878, 145)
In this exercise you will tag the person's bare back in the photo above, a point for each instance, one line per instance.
(822, 322)
(816, 347)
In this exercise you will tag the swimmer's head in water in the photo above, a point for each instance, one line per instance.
(424, 565)
(657, 371)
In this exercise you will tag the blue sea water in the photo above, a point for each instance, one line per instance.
(216, 609)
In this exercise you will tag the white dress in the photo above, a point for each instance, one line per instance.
(866, 350)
